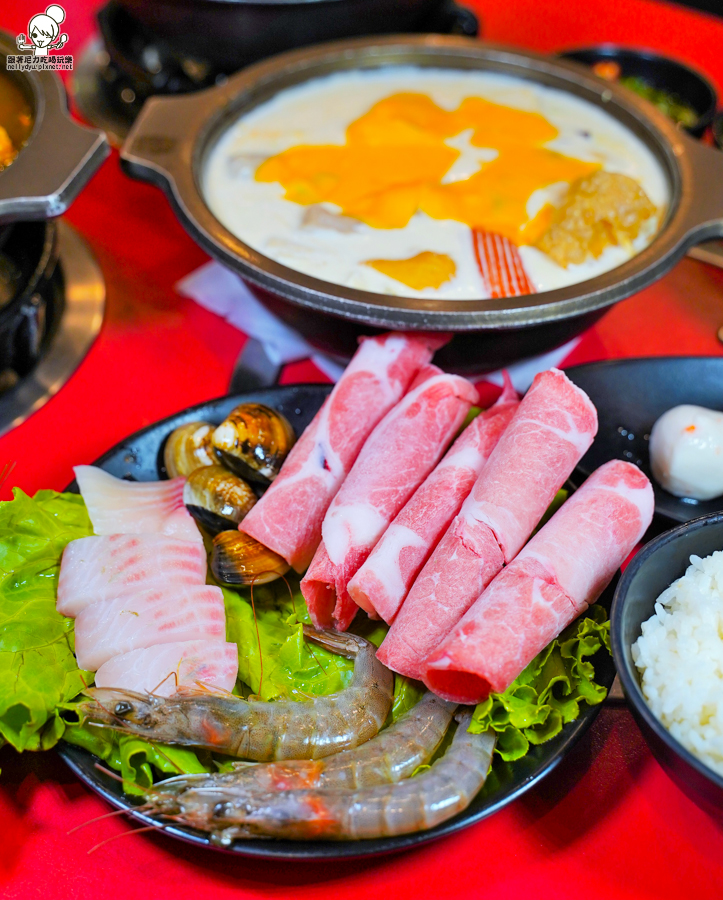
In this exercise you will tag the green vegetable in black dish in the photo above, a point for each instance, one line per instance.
(673, 107)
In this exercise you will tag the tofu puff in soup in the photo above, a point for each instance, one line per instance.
(436, 183)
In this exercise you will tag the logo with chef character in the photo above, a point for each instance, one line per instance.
(43, 38)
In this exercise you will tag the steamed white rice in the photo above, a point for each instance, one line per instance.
(680, 658)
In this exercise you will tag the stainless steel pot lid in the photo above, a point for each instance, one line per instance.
(171, 138)
(58, 158)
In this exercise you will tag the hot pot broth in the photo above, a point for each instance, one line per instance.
(375, 180)
(16, 120)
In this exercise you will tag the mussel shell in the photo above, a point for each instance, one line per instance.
(239, 559)
(189, 447)
(216, 498)
(253, 441)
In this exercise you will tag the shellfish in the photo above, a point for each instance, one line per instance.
(253, 441)
(189, 447)
(240, 560)
(216, 498)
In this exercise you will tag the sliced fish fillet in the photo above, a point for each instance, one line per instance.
(152, 616)
(118, 565)
(135, 507)
(162, 668)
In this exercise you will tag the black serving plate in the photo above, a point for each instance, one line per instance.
(630, 394)
(141, 457)
(662, 73)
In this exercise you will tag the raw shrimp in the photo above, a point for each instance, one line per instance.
(259, 730)
(411, 805)
(389, 757)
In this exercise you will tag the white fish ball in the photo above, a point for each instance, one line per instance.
(686, 452)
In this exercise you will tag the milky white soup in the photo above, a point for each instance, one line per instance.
(415, 158)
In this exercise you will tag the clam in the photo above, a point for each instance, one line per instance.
(254, 441)
(239, 559)
(189, 447)
(216, 498)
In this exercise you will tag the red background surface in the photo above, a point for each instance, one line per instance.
(609, 822)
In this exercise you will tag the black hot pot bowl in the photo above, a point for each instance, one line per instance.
(651, 571)
(193, 42)
(31, 300)
(59, 156)
(172, 137)
(49, 171)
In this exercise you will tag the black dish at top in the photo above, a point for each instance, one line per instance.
(629, 395)
(177, 46)
(140, 457)
(660, 72)
(651, 571)
(717, 129)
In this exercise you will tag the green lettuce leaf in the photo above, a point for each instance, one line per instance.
(548, 693)
(38, 670)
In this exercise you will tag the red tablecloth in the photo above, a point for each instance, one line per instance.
(609, 822)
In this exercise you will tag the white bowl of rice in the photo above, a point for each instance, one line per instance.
(667, 637)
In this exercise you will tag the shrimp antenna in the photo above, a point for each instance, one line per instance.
(258, 636)
(291, 594)
(7, 471)
(116, 777)
(296, 616)
(166, 757)
(173, 675)
(126, 834)
(116, 812)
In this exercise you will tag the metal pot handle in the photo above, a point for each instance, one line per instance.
(57, 163)
(703, 213)
(153, 150)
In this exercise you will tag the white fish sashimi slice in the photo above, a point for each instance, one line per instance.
(135, 507)
(162, 668)
(154, 616)
(118, 565)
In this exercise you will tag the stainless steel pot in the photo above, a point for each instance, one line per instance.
(59, 157)
(172, 137)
